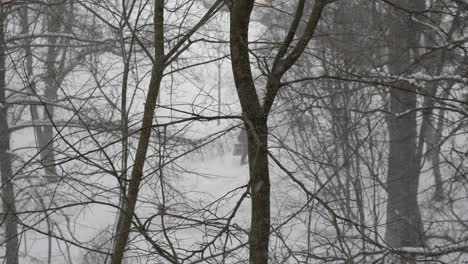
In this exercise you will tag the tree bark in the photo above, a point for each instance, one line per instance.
(55, 19)
(260, 191)
(257, 132)
(8, 194)
(126, 215)
(161, 60)
(404, 225)
(256, 115)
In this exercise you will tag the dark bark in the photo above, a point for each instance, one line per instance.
(404, 225)
(256, 115)
(125, 217)
(260, 192)
(257, 132)
(8, 193)
(160, 61)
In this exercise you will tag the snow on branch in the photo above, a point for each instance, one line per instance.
(421, 77)
(433, 252)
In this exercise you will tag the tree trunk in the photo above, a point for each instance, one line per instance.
(8, 195)
(435, 156)
(260, 192)
(159, 63)
(256, 115)
(257, 132)
(128, 210)
(404, 226)
(55, 18)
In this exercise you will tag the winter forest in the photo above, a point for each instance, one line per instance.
(234, 131)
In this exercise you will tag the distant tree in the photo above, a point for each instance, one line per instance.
(404, 224)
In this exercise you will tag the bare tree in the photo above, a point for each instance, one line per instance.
(352, 109)
(161, 59)
(256, 109)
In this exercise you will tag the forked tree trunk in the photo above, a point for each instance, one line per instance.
(256, 114)
(257, 132)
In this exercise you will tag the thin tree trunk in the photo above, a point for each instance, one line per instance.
(124, 129)
(29, 70)
(46, 145)
(8, 195)
(430, 131)
(435, 156)
(126, 215)
(160, 59)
